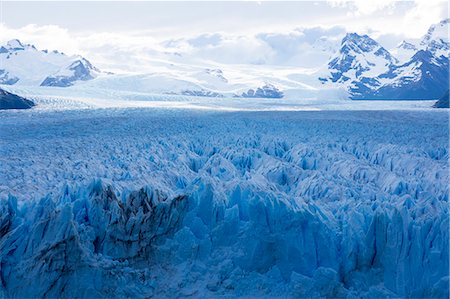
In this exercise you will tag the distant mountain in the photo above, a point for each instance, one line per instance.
(12, 101)
(436, 40)
(407, 46)
(443, 102)
(266, 91)
(79, 70)
(425, 76)
(24, 64)
(369, 71)
(357, 65)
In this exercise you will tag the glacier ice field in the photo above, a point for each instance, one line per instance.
(185, 203)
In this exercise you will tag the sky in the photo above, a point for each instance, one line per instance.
(107, 30)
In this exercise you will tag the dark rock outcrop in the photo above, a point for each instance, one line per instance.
(11, 101)
(443, 102)
(266, 91)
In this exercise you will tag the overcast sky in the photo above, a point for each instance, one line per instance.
(89, 27)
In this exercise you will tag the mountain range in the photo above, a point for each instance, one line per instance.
(357, 65)
(369, 71)
(24, 64)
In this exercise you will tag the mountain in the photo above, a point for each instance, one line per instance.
(369, 71)
(358, 63)
(24, 64)
(436, 40)
(425, 76)
(12, 101)
(79, 70)
(359, 57)
(443, 102)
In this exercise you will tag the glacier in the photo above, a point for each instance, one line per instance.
(180, 203)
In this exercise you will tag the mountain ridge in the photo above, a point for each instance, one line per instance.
(360, 66)
(24, 64)
(424, 76)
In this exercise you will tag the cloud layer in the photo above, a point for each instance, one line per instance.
(306, 45)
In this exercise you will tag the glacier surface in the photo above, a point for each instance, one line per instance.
(178, 203)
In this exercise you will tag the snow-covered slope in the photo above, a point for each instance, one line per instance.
(25, 65)
(404, 51)
(142, 203)
(436, 40)
(221, 81)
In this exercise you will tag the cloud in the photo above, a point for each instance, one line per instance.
(47, 37)
(112, 51)
(290, 45)
(405, 19)
(364, 7)
(233, 49)
(298, 46)
(205, 40)
(423, 14)
(303, 46)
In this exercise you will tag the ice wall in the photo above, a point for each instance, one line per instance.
(88, 242)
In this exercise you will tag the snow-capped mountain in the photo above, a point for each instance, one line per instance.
(425, 76)
(436, 40)
(80, 69)
(359, 57)
(24, 64)
(358, 63)
(369, 71)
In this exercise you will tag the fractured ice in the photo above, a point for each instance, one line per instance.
(312, 204)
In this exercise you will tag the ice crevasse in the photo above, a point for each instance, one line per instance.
(228, 239)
